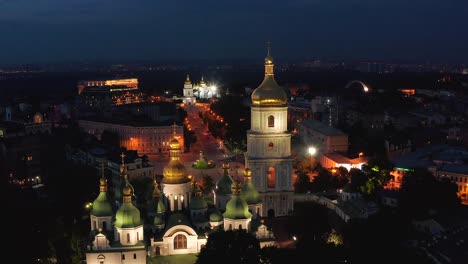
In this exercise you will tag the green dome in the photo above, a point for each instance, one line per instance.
(237, 208)
(216, 217)
(127, 216)
(250, 194)
(197, 203)
(160, 208)
(223, 187)
(102, 206)
(158, 220)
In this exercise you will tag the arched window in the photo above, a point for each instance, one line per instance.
(271, 178)
(128, 238)
(101, 258)
(271, 121)
(240, 227)
(158, 251)
(270, 145)
(180, 242)
(230, 226)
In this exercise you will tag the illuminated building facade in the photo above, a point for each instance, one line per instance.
(98, 97)
(324, 138)
(268, 153)
(146, 138)
(200, 90)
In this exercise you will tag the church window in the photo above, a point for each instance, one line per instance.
(104, 225)
(180, 242)
(270, 146)
(101, 259)
(230, 226)
(134, 255)
(271, 121)
(138, 236)
(123, 256)
(271, 178)
(240, 227)
(128, 238)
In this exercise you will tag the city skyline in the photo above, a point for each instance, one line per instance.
(58, 32)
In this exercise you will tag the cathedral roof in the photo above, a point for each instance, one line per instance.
(248, 192)
(198, 202)
(237, 208)
(269, 93)
(223, 187)
(175, 172)
(101, 205)
(127, 215)
(158, 220)
(216, 216)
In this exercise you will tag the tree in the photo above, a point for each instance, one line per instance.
(207, 184)
(302, 184)
(420, 191)
(231, 246)
(322, 181)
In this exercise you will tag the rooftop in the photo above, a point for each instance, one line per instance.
(321, 127)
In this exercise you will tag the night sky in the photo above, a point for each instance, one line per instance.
(49, 31)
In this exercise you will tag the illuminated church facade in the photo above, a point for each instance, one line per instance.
(269, 146)
(179, 216)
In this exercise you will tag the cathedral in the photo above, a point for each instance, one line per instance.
(179, 218)
(202, 90)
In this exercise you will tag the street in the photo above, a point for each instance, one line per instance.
(210, 146)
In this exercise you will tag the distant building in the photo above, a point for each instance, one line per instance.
(325, 138)
(97, 97)
(202, 90)
(335, 160)
(146, 137)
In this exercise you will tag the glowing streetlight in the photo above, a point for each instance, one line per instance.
(312, 151)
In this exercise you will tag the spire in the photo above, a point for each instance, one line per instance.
(247, 175)
(103, 180)
(268, 61)
(187, 80)
(236, 188)
(127, 193)
(226, 168)
(156, 191)
(268, 49)
(123, 168)
(174, 129)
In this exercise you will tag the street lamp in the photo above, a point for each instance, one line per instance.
(312, 152)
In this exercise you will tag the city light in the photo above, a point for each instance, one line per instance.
(312, 151)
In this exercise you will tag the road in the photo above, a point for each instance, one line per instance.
(206, 143)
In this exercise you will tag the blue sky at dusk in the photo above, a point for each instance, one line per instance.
(42, 31)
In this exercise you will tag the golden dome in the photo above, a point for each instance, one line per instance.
(269, 93)
(127, 190)
(175, 172)
(187, 80)
(174, 144)
(103, 181)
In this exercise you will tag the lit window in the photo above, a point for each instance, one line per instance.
(180, 242)
(271, 121)
(271, 178)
